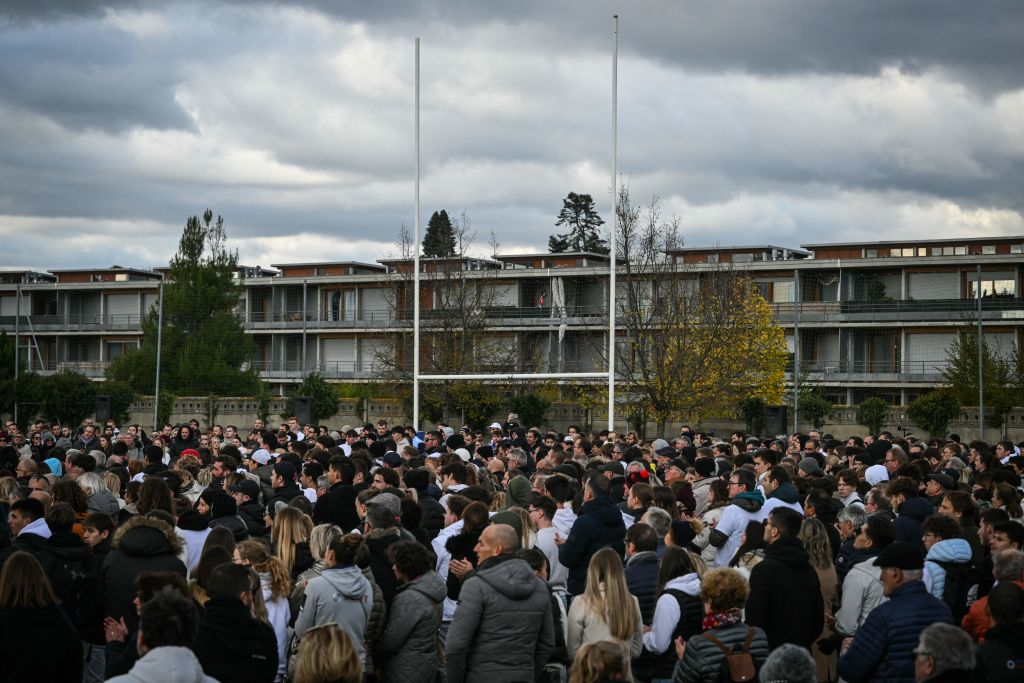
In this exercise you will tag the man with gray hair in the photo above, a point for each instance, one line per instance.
(849, 521)
(1007, 565)
(502, 628)
(789, 664)
(943, 653)
(661, 522)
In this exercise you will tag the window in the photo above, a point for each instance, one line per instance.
(783, 292)
(1016, 248)
(742, 258)
(936, 251)
(960, 251)
(870, 253)
(712, 258)
(922, 251)
(988, 249)
(947, 251)
(994, 288)
(116, 348)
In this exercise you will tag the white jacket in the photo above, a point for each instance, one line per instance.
(166, 665)
(862, 592)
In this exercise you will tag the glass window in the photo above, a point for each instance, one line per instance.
(870, 253)
(712, 258)
(1016, 248)
(988, 249)
(742, 258)
(1004, 288)
(936, 251)
(783, 292)
(922, 251)
(947, 251)
(960, 251)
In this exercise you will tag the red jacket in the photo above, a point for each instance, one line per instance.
(976, 622)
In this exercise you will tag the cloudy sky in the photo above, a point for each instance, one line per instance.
(778, 121)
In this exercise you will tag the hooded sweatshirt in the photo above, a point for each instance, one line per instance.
(950, 550)
(341, 595)
(785, 496)
(104, 501)
(667, 614)
(166, 665)
(745, 507)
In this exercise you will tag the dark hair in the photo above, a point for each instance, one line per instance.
(880, 531)
(168, 619)
(545, 504)
(598, 485)
(219, 536)
(60, 517)
(560, 488)
(155, 494)
(345, 548)
(456, 470)
(753, 540)
(100, 521)
(848, 476)
(68, 491)
(29, 507)
(779, 475)
(1006, 603)
(643, 537)
(23, 583)
(153, 454)
(942, 526)
(768, 456)
(476, 516)
(212, 558)
(1014, 532)
(148, 584)
(410, 558)
(745, 478)
(992, 516)
(227, 580)
(535, 558)
(902, 486)
(787, 521)
(675, 563)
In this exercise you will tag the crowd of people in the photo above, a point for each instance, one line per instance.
(506, 554)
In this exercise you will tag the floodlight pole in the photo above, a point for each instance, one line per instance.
(416, 264)
(614, 225)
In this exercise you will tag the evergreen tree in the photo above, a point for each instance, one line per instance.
(439, 239)
(204, 345)
(583, 221)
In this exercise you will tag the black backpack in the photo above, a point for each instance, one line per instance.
(960, 578)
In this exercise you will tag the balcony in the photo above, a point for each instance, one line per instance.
(840, 371)
(129, 322)
(89, 368)
(388, 317)
(294, 370)
(946, 310)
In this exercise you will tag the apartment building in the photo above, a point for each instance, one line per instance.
(871, 318)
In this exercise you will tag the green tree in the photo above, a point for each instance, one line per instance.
(814, 408)
(1001, 379)
(439, 239)
(204, 344)
(121, 397)
(581, 218)
(752, 409)
(531, 408)
(68, 397)
(934, 411)
(324, 399)
(873, 413)
(477, 401)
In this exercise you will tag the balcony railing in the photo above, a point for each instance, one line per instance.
(948, 309)
(919, 370)
(73, 322)
(388, 316)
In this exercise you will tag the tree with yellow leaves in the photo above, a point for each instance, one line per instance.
(696, 339)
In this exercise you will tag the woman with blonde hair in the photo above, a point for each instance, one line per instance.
(814, 537)
(289, 537)
(327, 655)
(606, 610)
(276, 586)
(320, 539)
(604, 660)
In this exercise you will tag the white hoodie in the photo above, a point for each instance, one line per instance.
(563, 520)
(666, 613)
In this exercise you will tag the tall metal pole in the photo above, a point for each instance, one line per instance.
(614, 225)
(981, 368)
(416, 265)
(17, 349)
(796, 349)
(159, 343)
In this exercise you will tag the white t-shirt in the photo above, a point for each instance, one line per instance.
(733, 523)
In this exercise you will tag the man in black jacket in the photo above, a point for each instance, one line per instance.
(337, 506)
(1003, 649)
(247, 501)
(599, 525)
(284, 485)
(230, 644)
(785, 596)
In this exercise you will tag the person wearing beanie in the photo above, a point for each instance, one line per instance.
(810, 469)
(706, 469)
(433, 512)
(224, 512)
(883, 647)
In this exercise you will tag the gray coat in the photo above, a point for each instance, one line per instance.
(502, 628)
(703, 660)
(341, 595)
(409, 642)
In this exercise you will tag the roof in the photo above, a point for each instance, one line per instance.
(561, 254)
(322, 264)
(752, 247)
(917, 241)
(112, 269)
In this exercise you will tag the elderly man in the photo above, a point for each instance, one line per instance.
(502, 628)
(943, 653)
(883, 648)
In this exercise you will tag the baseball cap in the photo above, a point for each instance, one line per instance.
(463, 454)
(246, 486)
(392, 459)
(388, 501)
(945, 481)
(261, 455)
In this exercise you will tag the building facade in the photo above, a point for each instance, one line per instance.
(873, 318)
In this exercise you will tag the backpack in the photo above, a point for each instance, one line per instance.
(960, 579)
(737, 667)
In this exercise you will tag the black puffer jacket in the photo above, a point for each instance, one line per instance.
(642, 579)
(433, 515)
(39, 645)
(378, 541)
(911, 514)
(338, 507)
(251, 514)
(143, 544)
(233, 646)
(785, 597)
(599, 525)
(408, 645)
(999, 654)
(84, 608)
(703, 660)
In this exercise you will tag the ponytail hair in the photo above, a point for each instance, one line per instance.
(257, 555)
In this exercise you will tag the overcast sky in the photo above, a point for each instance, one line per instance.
(765, 121)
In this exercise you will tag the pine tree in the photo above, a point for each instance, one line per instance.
(439, 239)
(583, 221)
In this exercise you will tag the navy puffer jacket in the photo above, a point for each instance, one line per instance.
(642, 580)
(599, 525)
(908, 522)
(882, 651)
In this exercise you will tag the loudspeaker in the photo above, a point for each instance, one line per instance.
(304, 410)
(776, 420)
(103, 410)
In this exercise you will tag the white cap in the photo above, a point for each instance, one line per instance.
(495, 425)
(463, 453)
(876, 474)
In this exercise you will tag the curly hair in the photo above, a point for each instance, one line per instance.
(327, 654)
(68, 491)
(724, 589)
(601, 661)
